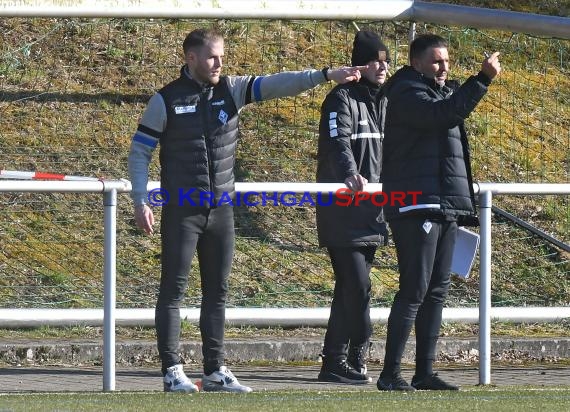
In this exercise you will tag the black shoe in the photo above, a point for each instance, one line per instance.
(357, 357)
(433, 383)
(341, 372)
(394, 383)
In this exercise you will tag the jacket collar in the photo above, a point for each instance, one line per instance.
(185, 74)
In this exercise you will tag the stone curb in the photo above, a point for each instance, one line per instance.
(136, 353)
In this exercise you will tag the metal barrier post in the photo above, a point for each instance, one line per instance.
(485, 203)
(110, 278)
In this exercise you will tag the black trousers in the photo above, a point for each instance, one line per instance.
(425, 249)
(210, 232)
(349, 320)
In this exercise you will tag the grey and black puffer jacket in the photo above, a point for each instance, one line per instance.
(196, 126)
(350, 142)
(198, 152)
(426, 148)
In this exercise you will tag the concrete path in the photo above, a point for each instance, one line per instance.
(90, 379)
(64, 365)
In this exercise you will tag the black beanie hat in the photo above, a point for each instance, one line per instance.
(366, 47)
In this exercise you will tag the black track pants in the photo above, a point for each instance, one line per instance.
(425, 249)
(210, 232)
(349, 319)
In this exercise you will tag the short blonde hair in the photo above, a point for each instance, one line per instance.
(199, 37)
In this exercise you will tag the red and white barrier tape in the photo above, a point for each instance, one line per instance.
(19, 175)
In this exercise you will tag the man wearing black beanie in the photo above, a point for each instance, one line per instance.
(350, 151)
(368, 47)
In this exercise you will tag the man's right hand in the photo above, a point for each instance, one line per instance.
(144, 218)
(345, 74)
(356, 182)
(491, 66)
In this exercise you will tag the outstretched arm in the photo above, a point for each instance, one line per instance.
(419, 108)
(249, 89)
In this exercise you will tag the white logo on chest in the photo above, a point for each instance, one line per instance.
(185, 109)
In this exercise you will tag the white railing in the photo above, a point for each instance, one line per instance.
(403, 10)
(109, 190)
(267, 316)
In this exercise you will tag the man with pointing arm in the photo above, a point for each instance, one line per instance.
(195, 121)
(426, 150)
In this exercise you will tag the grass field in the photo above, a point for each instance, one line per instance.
(550, 399)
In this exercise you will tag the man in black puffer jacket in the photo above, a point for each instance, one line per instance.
(350, 151)
(426, 152)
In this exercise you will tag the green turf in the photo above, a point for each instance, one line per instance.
(474, 399)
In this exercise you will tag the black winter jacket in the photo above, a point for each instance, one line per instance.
(426, 148)
(350, 142)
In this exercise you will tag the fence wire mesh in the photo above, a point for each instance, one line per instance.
(71, 91)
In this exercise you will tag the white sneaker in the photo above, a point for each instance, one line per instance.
(176, 380)
(223, 380)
